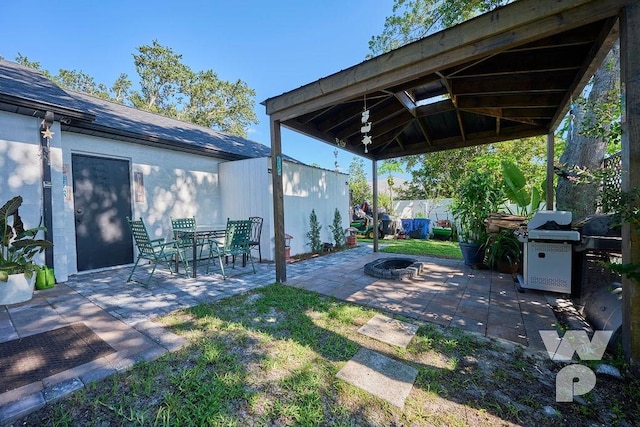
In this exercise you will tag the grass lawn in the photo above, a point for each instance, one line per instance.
(270, 357)
(436, 248)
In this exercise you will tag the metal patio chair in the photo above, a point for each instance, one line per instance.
(156, 251)
(186, 240)
(236, 243)
(256, 231)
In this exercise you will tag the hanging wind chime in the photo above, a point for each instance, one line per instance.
(366, 127)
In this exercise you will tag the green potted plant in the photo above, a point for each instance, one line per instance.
(18, 247)
(475, 198)
(504, 251)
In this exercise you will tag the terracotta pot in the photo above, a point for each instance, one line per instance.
(17, 289)
(507, 268)
(352, 240)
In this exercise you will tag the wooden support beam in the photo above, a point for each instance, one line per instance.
(374, 175)
(407, 102)
(630, 79)
(278, 201)
(550, 174)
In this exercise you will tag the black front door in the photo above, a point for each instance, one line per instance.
(102, 203)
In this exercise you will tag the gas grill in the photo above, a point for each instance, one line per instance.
(599, 232)
(600, 241)
(547, 256)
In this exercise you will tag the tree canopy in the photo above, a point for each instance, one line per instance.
(358, 185)
(170, 88)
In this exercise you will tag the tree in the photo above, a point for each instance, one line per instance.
(171, 88)
(82, 82)
(215, 103)
(162, 76)
(358, 185)
(23, 60)
(414, 19)
(594, 129)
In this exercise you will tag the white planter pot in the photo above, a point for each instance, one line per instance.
(17, 289)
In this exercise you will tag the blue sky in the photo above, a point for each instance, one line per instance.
(274, 46)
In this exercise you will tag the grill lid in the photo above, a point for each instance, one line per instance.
(599, 225)
(557, 219)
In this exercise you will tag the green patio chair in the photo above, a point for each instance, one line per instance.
(256, 231)
(185, 239)
(236, 243)
(156, 251)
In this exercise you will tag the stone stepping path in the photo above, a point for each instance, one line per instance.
(388, 330)
(377, 374)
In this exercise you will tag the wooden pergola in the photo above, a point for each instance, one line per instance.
(510, 73)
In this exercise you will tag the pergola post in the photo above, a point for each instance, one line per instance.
(550, 174)
(630, 85)
(374, 173)
(278, 201)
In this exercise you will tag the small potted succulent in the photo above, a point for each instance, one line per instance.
(18, 247)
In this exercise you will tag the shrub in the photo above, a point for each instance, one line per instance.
(337, 230)
(313, 235)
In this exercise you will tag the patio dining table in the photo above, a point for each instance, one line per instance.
(201, 233)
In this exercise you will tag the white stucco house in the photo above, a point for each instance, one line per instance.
(83, 164)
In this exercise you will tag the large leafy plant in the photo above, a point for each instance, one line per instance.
(525, 196)
(18, 246)
(477, 196)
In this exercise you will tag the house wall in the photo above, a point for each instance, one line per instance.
(305, 188)
(176, 184)
(20, 165)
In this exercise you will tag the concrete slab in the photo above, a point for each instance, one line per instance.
(379, 375)
(388, 330)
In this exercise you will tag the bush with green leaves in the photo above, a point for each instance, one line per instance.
(337, 230)
(313, 235)
(477, 196)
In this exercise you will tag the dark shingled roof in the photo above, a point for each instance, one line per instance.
(26, 91)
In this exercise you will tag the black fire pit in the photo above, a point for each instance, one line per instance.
(393, 268)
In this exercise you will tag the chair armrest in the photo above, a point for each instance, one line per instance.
(162, 244)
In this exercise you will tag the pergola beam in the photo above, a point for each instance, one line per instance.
(630, 79)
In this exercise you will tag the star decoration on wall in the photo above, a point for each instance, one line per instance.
(46, 133)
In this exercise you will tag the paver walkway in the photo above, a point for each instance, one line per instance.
(123, 314)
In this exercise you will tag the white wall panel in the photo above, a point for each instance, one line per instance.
(21, 166)
(246, 190)
(175, 183)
